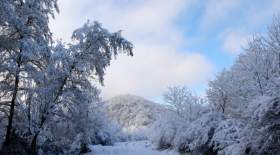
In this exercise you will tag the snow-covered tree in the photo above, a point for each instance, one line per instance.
(24, 40)
(221, 92)
(70, 74)
(252, 88)
(254, 73)
(245, 106)
(43, 82)
(183, 101)
(165, 129)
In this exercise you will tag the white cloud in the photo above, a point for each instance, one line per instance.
(153, 69)
(234, 41)
(159, 60)
(260, 16)
(217, 11)
(236, 19)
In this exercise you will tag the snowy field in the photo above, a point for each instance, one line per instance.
(128, 148)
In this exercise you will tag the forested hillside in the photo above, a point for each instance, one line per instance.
(134, 114)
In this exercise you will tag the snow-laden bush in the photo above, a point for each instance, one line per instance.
(258, 134)
(227, 136)
(173, 132)
(71, 136)
(165, 129)
(196, 136)
(266, 121)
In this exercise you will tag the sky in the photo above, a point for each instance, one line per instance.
(178, 42)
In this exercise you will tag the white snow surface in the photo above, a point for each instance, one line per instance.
(129, 148)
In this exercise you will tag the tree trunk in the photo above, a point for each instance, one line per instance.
(259, 83)
(46, 113)
(34, 145)
(12, 106)
(279, 63)
(29, 113)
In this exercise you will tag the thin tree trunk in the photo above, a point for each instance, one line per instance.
(12, 106)
(46, 113)
(279, 63)
(29, 113)
(259, 83)
(34, 145)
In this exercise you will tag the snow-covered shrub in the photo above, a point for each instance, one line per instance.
(227, 136)
(196, 137)
(103, 130)
(71, 136)
(265, 118)
(164, 130)
(258, 134)
(173, 132)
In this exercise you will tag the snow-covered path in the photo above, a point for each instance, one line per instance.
(128, 148)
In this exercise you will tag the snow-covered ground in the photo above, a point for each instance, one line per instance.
(128, 148)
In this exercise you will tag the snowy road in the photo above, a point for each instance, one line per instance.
(128, 148)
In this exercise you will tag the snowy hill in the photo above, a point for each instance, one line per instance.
(133, 113)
